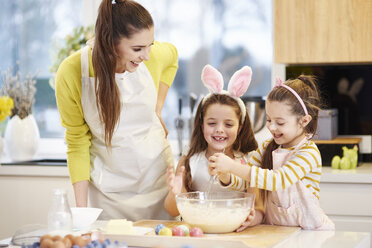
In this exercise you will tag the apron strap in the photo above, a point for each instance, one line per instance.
(85, 62)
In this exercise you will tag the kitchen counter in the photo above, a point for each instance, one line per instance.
(303, 239)
(344, 194)
(327, 239)
(362, 174)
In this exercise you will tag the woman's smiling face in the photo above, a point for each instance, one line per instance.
(132, 51)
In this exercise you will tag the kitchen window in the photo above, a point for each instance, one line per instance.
(226, 34)
(29, 31)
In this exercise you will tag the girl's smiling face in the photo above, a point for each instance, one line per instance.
(132, 51)
(220, 128)
(283, 124)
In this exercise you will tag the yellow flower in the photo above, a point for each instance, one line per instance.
(6, 106)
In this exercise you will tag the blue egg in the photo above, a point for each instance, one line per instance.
(158, 228)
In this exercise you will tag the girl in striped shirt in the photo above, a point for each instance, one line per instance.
(288, 167)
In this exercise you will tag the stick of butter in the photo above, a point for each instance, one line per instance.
(120, 226)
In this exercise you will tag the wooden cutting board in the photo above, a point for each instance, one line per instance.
(260, 236)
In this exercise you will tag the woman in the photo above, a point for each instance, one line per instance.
(110, 104)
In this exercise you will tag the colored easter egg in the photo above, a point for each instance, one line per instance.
(158, 228)
(196, 232)
(165, 231)
(177, 231)
(186, 230)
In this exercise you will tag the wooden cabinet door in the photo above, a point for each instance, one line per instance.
(322, 31)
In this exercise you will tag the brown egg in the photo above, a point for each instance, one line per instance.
(46, 236)
(58, 244)
(70, 237)
(46, 243)
(79, 241)
(67, 242)
(56, 238)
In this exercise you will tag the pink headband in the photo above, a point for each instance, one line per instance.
(279, 83)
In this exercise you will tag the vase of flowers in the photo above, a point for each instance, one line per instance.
(22, 136)
(6, 106)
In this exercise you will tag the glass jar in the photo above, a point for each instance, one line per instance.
(59, 215)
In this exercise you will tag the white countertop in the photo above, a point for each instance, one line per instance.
(313, 239)
(327, 239)
(362, 174)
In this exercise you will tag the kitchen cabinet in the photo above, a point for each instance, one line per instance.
(322, 31)
(25, 194)
(345, 196)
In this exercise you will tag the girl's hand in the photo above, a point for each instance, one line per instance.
(175, 180)
(248, 222)
(219, 164)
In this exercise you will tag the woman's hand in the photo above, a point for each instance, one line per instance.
(175, 180)
(248, 222)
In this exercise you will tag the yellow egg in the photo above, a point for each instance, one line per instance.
(165, 232)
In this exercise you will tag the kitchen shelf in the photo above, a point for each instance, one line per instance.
(339, 140)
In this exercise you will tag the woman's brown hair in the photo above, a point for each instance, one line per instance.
(245, 141)
(114, 22)
(306, 88)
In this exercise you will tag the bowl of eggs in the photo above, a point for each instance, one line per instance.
(215, 212)
(82, 218)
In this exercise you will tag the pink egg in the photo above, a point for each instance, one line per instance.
(196, 232)
(176, 231)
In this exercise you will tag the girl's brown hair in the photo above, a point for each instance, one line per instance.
(245, 141)
(306, 88)
(114, 22)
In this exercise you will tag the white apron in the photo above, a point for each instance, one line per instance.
(295, 205)
(128, 182)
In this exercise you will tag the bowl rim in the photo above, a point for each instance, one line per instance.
(95, 210)
(184, 195)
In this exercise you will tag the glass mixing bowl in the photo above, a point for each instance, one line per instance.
(215, 212)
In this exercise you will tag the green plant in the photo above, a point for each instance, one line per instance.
(72, 43)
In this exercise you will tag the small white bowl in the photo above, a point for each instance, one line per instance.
(82, 218)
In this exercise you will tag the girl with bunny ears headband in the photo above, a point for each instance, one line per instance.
(238, 84)
(221, 125)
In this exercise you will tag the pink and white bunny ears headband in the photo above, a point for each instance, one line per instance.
(238, 85)
(279, 83)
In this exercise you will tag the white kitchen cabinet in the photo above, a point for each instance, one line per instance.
(25, 195)
(346, 197)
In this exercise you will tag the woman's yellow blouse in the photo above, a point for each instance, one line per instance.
(163, 64)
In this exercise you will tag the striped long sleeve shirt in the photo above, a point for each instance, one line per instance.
(304, 165)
